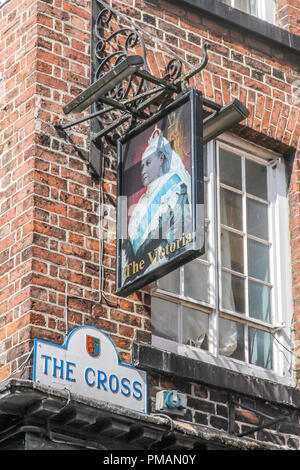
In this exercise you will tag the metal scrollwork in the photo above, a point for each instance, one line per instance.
(112, 43)
(173, 69)
(114, 38)
(128, 99)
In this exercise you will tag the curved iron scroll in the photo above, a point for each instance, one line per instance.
(111, 43)
(115, 37)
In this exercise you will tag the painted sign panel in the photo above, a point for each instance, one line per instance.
(160, 194)
(88, 365)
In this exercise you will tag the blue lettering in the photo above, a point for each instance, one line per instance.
(61, 368)
(125, 392)
(135, 386)
(70, 371)
(91, 384)
(46, 363)
(114, 390)
(101, 381)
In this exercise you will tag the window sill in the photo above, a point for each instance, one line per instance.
(223, 362)
(150, 358)
(247, 23)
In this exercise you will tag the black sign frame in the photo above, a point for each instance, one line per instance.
(193, 248)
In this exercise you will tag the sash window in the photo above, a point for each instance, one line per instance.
(263, 9)
(233, 302)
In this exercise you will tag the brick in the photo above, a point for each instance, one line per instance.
(18, 324)
(125, 318)
(70, 224)
(76, 55)
(126, 331)
(276, 112)
(122, 343)
(49, 230)
(292, 119)
(50, 180)
(260, 105)
(4, 372)
(266, 120)
(209, 92)
(253, 84)
(52, 82)
(20, 271)
(75, 277)
(75, 176)
(41, 280)
(76, 10)
(69, 249)
(77, 201)
(47, 308)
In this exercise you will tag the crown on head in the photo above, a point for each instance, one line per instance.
(154, 142)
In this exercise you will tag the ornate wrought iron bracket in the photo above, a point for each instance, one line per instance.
(164, 89)
(267, 421)
(149, 89)
(146, 99)
(130, 83)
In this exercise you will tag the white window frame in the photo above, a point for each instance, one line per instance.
(283, 359)
(266, 10)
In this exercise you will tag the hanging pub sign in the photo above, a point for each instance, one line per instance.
(160, 210)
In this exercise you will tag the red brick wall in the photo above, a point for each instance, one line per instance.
(18, 107)
(45, 186)
(49, 244)
(288, 15)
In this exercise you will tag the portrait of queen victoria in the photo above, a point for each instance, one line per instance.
(158, 193)
(161, 220)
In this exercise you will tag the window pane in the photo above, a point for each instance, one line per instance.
(206, 199)
(170, 282)
(259, 301)
(260, 348)
(164, 319)
(232, 251)
(231, 339)
(257, 219)
(205, 160)
(243, 5)
(256, 179)
(233, 292)
(258, 260)
(270, 11)
(231, 209)
(230, 169)
(194, 328)
(206, 244)
(196, 281)
(248, 6)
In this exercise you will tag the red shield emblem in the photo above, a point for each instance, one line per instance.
(93, 346)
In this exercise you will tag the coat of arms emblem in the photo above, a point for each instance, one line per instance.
(93, 345)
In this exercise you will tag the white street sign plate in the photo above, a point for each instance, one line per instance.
(88, 365)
